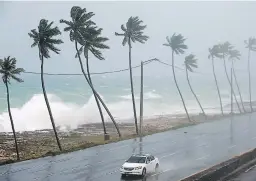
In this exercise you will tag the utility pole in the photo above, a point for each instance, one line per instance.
(141, 107)
(231, 91)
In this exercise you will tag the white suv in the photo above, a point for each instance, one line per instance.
(140, 165)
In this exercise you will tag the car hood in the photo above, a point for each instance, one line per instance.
(132, 164)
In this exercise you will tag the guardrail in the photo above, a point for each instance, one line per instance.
(221, 171)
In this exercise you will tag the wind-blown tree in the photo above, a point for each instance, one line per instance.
(235, 55)
(94, 43)
(176, 43)
(79, 28)
(9, 71)
(214, 52)
(191, 63)
(251, 45)
(45, 40)
(133, 32)
(225, 48)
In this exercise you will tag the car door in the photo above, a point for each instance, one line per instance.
(151, 164)
(148, 165)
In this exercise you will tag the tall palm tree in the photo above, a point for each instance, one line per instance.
(251, 45)
(133, 32)
(94, 43)
(45, 40)
(176, 43)
(225, 48)
(235, 55)
(79, 28)
(214, 52)
(190, 63)
(9, 71)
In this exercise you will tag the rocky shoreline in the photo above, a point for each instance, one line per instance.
(34, 144)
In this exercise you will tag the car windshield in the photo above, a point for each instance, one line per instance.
(136, 159)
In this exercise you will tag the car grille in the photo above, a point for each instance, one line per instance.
(128, 169)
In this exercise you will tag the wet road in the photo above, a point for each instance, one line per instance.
(180, 154)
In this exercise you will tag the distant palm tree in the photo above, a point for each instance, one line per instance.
(251, 45)
(176, 43)
(80, 27)
(235, 55)
(94, 42)
(9, 71)
(44, 40)
(225, 48)
(214, 52)
(190, 63)
(133, 32)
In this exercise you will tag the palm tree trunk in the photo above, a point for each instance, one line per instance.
(242, 102)
(11, 119)
(94, 92)
(238, 106)
(194, 92)
(178, 87)
(249, 73)
(132, 91)
(97, 101)
(47, 103)
(215, 78)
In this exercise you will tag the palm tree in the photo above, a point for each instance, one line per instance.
(214, 52)
(44, 40)
(79, 28)
(251, 45)
(9, 71)
(235, 55)
(133, 32)
(190, 63)
(176, 43)
(94, 43)
(225, 48)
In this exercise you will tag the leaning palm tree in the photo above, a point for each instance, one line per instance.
(9, 71)
(133, 32)
(235, 55)
(176, 43)
(214, 52)
(94, 43)
(251, 45)
(225, 48)
(45, 40)
(79, 28)
(190, 63)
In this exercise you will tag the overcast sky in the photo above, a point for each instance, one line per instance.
(202, 23)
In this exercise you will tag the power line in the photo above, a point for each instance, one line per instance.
(98, 73)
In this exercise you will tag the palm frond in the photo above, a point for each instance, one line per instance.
(190, 61)
(8, 69)
(43, 38)
(133, 31)
(176, 42)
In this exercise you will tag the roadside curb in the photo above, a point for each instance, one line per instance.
(224, 169)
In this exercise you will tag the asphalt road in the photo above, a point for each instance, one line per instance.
(180, 154)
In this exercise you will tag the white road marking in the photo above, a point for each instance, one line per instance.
(232, 146)
(201, 158)
(171, 154)
(161, 172)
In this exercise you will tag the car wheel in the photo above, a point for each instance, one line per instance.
(157, 167)
(123, 175)
(144, 172)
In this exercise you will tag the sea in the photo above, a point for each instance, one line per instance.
(73, 104)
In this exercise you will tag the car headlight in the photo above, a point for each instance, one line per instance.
(137, 168)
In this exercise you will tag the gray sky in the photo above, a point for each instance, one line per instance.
(202, 23)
